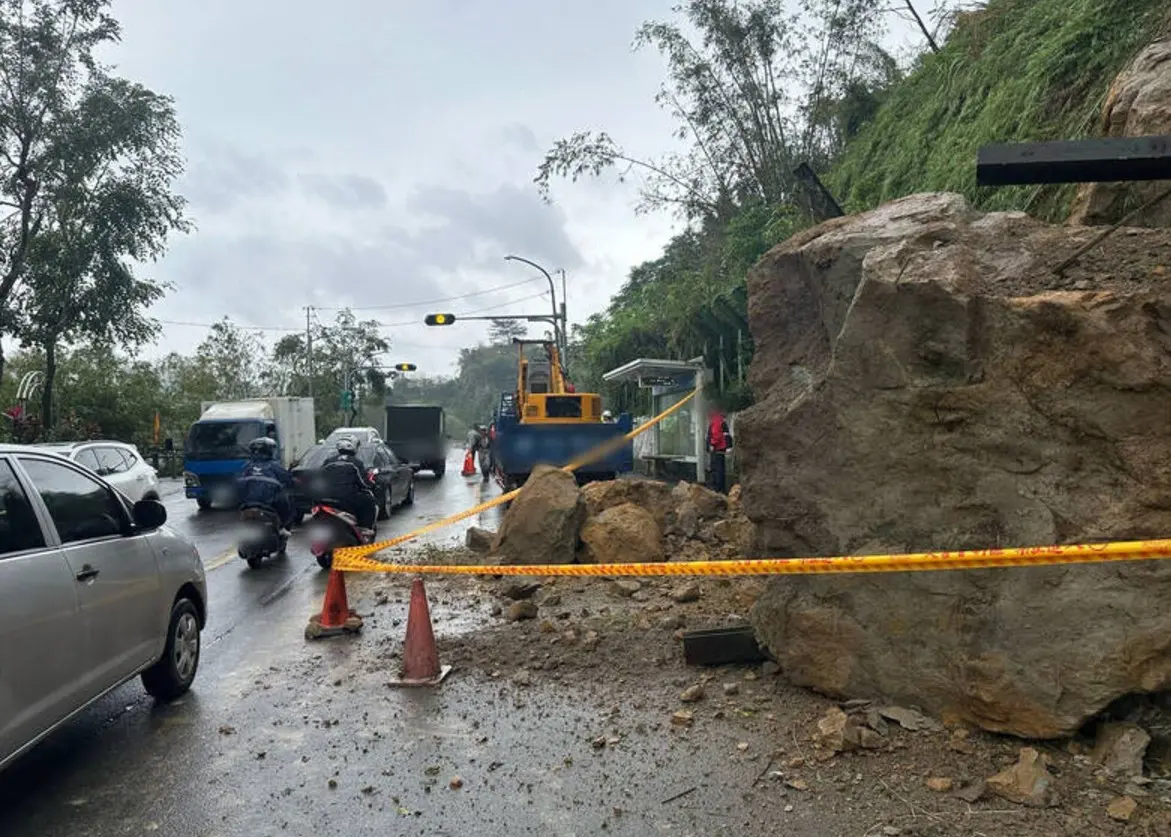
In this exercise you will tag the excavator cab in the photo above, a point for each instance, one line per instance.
(543, 393)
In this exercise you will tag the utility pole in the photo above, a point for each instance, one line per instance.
(309, 346)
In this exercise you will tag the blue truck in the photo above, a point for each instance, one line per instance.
(545, 421)
(216, 449)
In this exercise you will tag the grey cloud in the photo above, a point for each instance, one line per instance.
(508, 220)
(350, 192)
(222, 177)
(521, 137)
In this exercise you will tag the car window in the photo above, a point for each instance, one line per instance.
(111, 461)
(366, 455)
(81, 507)
(19, 527)
(388, 455)
(88, 459)
(131, 459)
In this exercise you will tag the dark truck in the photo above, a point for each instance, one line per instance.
(417, 433)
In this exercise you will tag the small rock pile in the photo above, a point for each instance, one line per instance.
(553, 521)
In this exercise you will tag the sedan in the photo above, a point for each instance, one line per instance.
(392, 481)
(95, 590)
(120, 464)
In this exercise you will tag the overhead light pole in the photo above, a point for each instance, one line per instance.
(561, 338)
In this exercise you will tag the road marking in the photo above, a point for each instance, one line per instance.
(220, 560)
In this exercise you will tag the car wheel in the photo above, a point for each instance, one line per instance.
(171, 676)
(384, 504)
(439, 470)
(203, 503)
(409, 500)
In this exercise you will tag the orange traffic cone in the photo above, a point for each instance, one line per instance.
(469, 468)
(420, 656)
(335, 617)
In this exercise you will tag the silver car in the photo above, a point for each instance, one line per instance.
(94, 590)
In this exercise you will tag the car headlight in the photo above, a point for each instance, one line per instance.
(190, 479)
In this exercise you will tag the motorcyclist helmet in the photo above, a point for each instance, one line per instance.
(262, 448)
(607, 415)
(346, 447)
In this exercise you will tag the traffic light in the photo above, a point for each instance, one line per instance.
(405, 367)
(348, 400)
(439, 319)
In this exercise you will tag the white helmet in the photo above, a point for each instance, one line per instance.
(607, 415)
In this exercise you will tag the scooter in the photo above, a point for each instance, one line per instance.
(331, 528)
(261, 535)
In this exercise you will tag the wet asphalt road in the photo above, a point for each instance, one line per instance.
(126, 766)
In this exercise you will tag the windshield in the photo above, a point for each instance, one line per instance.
(222, 439)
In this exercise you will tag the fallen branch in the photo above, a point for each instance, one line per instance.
(679, 795)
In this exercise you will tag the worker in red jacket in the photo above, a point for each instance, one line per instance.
(719, 442)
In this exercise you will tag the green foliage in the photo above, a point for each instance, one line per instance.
(1016, 70)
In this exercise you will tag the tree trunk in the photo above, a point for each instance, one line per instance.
(47, 423)
(923, 27)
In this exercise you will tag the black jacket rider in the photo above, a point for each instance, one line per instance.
(342, 481)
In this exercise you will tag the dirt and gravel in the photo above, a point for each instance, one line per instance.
(584, 687)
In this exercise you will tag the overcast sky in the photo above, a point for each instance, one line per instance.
(379, 153)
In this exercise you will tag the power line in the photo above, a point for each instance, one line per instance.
(404, 323)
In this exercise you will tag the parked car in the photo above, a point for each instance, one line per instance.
(121, 465)
(392, 481)
(94, 589)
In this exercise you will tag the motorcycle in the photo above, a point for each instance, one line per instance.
(331, 528)
(261, 535)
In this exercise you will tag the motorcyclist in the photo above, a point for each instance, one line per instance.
(342, 481)
(264, 483)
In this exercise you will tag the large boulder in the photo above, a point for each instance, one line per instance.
(626, 533)
(652, 495)
(542, 523)
(926, 383)
(1138, 105)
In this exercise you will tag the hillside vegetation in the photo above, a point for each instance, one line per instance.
(1007, 70)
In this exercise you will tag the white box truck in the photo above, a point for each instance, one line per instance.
(217, 444)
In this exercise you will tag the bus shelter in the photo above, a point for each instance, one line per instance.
(680, 438)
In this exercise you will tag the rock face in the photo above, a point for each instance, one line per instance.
(925, 383)
(541, 524)
(622, 534)
(1138, 104)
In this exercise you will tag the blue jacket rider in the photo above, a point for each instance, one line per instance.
(265, 483)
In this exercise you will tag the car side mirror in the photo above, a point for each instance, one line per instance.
(149, 515)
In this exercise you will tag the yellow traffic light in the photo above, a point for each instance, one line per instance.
(405, 367)
(439, 319)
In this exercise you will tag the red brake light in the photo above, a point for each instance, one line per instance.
(371, 474)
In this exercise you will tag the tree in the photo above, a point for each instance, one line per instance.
(229, 364)
(46, 59)
(112, 207)
(746, 93)
(502, 332)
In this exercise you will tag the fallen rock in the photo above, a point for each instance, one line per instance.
(838, 732)
(925, 383)
(683, 718)
(909, 719)
(542, 523)
(518, 611)
(590, 640)
(479, 540)
(625, 586)
(455, 783)
(1121, 808)
(651, 495)
(708, 504)
(1120, 748)
(622, 534)
(1027, 782)
(1137, 105)
(940, 784)
(960, 741)
(692, 694)
(687, 592)
(521, 589)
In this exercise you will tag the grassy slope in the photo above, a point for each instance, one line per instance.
(1019, 70)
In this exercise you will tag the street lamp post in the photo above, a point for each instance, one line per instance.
(561, 339)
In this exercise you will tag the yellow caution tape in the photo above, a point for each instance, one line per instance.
(914, 562)
(348, 557)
